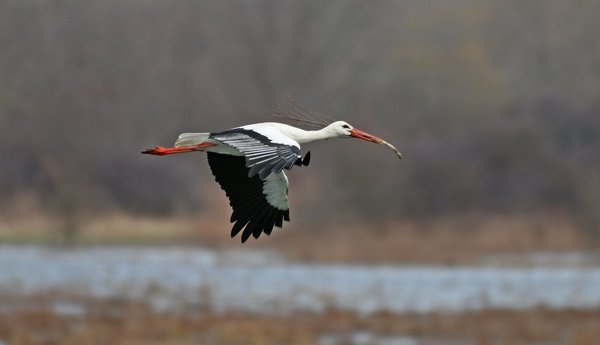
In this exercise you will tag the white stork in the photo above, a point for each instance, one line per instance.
(248, 163)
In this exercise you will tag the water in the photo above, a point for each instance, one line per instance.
(262, 282)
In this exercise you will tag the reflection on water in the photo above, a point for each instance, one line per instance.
(174, 278)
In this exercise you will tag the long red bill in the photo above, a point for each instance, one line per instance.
(355, 133)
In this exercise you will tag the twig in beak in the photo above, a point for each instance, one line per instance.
(393, 148)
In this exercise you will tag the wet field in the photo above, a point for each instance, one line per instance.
(186, 295)
(180, 278)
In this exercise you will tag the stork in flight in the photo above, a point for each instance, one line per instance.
(248, 163)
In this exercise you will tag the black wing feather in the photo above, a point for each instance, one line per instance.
(263, 157)
(252, 213)
(270, 223)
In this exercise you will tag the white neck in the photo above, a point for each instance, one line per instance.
(303, 136)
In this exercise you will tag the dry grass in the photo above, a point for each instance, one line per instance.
(127, 323)
(443, 241)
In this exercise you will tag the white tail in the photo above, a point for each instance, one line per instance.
(189, 139)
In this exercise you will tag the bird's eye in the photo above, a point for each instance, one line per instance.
(346, 126)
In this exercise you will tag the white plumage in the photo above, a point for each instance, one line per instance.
(248, 163)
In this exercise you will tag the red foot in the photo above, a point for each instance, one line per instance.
(161, 151)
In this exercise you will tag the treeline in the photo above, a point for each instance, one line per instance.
(494, 104)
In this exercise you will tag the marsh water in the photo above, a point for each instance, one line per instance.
(177, 278)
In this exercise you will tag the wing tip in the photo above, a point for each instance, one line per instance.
(258, 224)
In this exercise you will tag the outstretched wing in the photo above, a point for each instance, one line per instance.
(258, 204)
(267, 151)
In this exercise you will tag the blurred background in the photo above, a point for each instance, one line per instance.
(486, 233)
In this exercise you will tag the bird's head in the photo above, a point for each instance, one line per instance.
(344, 130)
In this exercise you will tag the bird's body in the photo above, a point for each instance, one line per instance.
(248, 163)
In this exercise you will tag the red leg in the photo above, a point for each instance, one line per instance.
(161, 151)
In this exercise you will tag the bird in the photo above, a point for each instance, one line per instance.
(248, 163)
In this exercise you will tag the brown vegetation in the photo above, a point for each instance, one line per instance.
(127, 323)
(441, 241)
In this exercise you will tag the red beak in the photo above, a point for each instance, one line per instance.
(355, 133)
